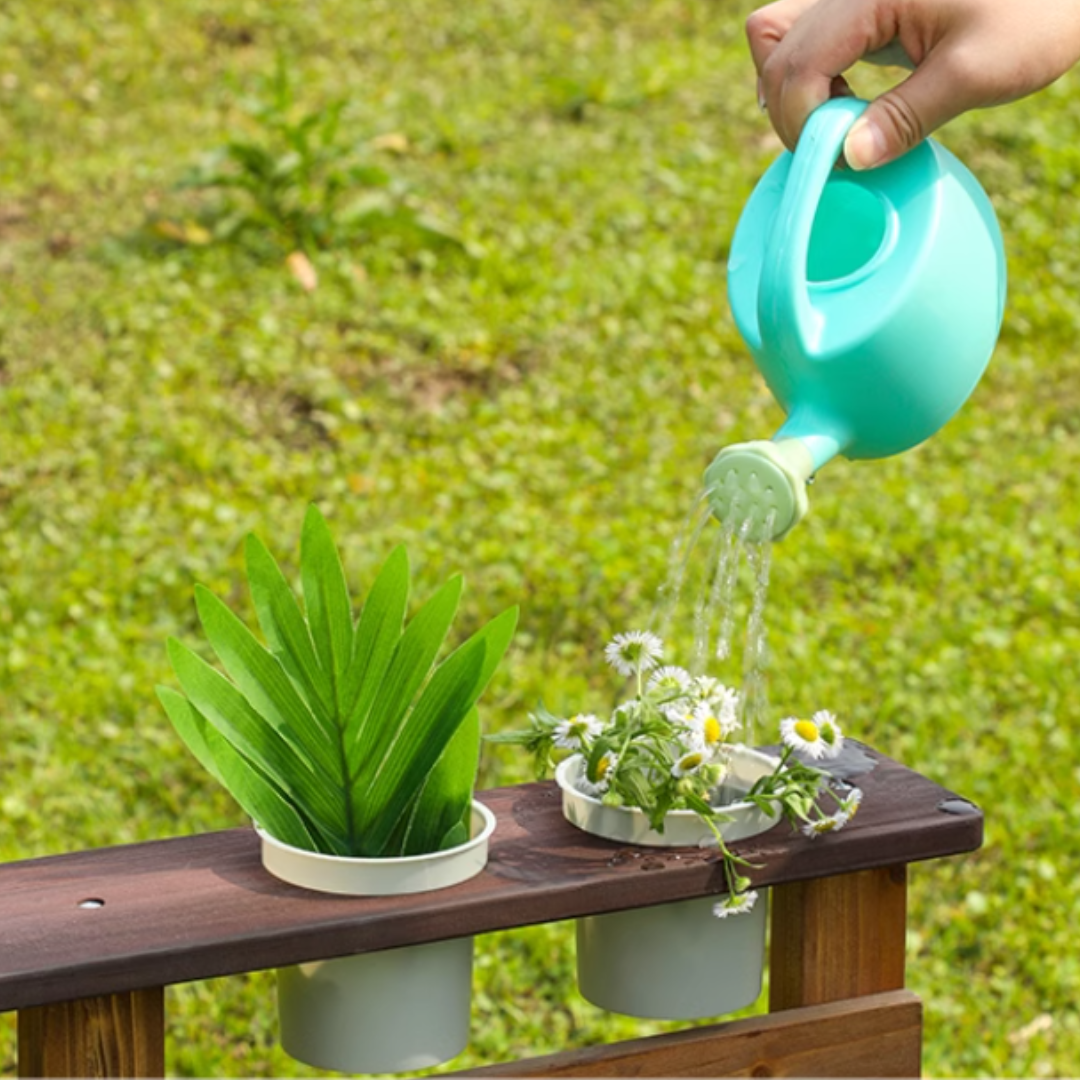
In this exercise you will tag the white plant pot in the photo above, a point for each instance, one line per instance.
(682, 828)
(398, 1010)
(673, 961)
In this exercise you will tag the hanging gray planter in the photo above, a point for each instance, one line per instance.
(398, 1010)
(673, 961)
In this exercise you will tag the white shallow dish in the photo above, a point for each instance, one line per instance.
(682, 828)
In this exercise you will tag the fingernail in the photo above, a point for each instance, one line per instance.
(762, 104)
(864, 146)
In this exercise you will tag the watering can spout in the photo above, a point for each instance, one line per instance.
(759, 487)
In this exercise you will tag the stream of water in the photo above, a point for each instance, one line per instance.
(724, 548)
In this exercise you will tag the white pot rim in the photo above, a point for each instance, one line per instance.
(568, 770)
(682, 828)
(395, 875)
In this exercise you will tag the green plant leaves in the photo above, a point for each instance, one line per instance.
(376, 637)
(409, 666)
(326, 597)
(253, 791)
(347, 739)
(441, 812)
(454, 688)
(285, 630)
(302, 183)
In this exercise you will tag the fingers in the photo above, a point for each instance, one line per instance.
(799, 53)
(767, 26)
(965, 54)
(901, 118)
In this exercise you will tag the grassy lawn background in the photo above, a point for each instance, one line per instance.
(536, 412)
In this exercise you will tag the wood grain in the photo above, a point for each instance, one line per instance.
(113, 1035)
(837, 937)
(202, 906)
(880, 1035)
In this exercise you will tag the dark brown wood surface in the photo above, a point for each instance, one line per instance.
(879, 1035)
(202, 906)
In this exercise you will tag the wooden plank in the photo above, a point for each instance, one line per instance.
(879, 1035)
(114, 1035)
(202, 906)
(838, 937)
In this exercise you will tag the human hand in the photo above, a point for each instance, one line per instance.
(965, 54)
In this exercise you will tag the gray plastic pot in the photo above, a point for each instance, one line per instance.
(398, 1010)
(671, 961)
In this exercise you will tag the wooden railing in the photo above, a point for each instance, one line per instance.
(89, 940)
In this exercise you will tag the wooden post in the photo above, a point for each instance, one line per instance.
(112, 1035)
(837, 937)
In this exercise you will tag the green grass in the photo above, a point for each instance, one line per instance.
(536, 414)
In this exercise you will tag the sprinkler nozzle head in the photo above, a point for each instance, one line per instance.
(760, 487)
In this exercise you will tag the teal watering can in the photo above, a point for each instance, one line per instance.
(871, 302)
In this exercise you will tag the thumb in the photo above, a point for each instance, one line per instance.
(901, 118)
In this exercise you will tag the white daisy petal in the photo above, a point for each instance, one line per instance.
(634, 651)
(803, 736)
(735, 905)
(605, 771)
(670, 678)
(831, 823)
(832, 737)
(572, 734)
(689, 763)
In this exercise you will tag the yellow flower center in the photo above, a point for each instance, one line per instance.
(602, 767)
(689, 762)
(807, 730)
(711, 730)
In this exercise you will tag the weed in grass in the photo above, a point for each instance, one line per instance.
(300, 182)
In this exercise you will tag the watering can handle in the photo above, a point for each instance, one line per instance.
(789, 324)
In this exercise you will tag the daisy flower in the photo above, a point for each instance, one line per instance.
(605, 769)
(573, 733)
(803, 736)
(723, 701)
(634, 651)
(707, 731)
(738, 904)
(705, 687)
(851, 802)
(670, 679)
(832, 823)
(688, 764)
(832, 737)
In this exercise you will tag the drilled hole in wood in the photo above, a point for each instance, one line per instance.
(92, 903)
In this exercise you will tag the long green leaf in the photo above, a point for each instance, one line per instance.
(262, 680)
(191, 726)
(326, 596)
(428, 729)
(286, 632)
(390, 782)
(229, 712)
(257, 796)
(445, 800)
(377, 635)
(409, 667)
